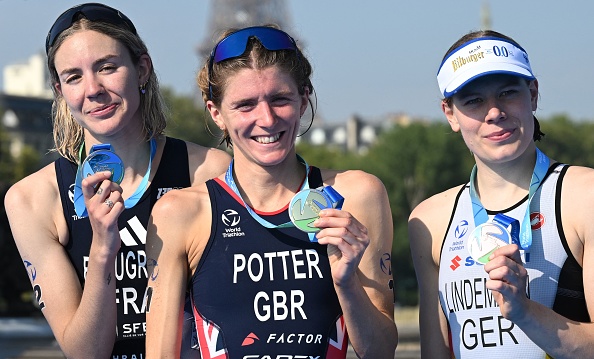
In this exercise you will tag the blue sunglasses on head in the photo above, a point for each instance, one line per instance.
(235, 44)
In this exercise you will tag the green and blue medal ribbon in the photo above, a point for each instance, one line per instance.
(328, 191)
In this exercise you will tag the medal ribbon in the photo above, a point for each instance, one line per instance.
(334, 196)
(524, 237)
(507, 222)
(231, 183)
(79, 200)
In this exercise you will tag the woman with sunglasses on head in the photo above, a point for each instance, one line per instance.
(261, 286)
(80, 223)
(504, 261)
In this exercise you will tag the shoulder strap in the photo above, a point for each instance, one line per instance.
(174, 163)
(315, 177)
(65, 175)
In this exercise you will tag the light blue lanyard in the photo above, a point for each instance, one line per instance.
(524, 237)
(335, 198)
(231, 183)
(79, 201)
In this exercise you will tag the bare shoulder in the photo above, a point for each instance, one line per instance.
(181, 221)
(356, 183)
(205, 162)
(579, 178)
(34, 192)
(437, 206)
(44, 179)
(428, 223)
(577, 196)
(182, 204)
(577, 205)
(33, 205)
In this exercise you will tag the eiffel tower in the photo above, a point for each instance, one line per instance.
(226, 14)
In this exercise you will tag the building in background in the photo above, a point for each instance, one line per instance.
(25, 107)
(355, 135)
(30, 79)
(26, 121)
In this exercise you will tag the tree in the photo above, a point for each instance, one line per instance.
(415, 162)
(188, 122)
(567, 141)
(327, 157)
(15, 288)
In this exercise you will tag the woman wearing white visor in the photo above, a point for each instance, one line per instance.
(500, 260)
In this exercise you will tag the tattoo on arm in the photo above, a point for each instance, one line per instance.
(153, 268)
(108, 278)
(37, 291)
(32, 272)
(385, 263)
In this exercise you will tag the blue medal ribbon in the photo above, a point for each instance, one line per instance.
(512, 225)
(79, 200)
(336, 198)
(336, 201)
(523, 235)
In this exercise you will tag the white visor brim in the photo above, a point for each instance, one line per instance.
(480, 57)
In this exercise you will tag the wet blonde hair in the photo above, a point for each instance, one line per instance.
(67, 132)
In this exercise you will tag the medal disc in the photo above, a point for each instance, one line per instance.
(305, 207)
(104, 160)
(485, 239)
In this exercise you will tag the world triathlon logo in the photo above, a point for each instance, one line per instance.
(71, 193)
(461, 229)
(230, 218)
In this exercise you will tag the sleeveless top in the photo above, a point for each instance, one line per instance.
(130, 267)
(264, 293)
(477, 328)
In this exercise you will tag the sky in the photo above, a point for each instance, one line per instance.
(371, 58)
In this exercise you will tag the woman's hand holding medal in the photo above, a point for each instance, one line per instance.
(319, 211)
(347, 240)
(102, 172)
(508, 280)
(495, 245)
(104, 202)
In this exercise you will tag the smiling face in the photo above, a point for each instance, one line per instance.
(261, 111)
(494, 115)
(99, 83)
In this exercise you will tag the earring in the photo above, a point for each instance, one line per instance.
(143, 89)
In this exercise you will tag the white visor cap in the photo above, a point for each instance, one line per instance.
(480, 57)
